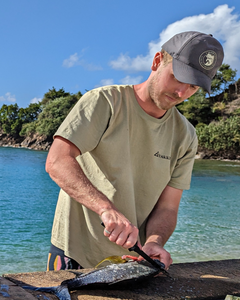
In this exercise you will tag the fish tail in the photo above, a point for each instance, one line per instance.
(60, 291)
(50, 289)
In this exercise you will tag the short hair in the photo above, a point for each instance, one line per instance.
(167, 58)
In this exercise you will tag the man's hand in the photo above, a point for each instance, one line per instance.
(157, 252)
(119, 229)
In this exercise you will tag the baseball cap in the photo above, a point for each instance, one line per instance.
(196, 57)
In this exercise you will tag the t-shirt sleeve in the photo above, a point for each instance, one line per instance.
(87, 121)
(182, 173)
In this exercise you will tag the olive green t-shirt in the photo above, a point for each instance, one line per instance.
(129, 156)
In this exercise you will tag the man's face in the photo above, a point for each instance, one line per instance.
(166, 91)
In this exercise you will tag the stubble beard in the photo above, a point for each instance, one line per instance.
(162, 104)
(153, 95)
(156, 98)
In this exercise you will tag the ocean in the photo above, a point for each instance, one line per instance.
(208, 222)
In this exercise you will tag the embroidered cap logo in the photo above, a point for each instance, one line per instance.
(208, 59)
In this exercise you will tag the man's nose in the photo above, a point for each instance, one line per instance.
(182, 88)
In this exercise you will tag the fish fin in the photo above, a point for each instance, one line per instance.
(112, 260)
(116, 281)
(60, 291)
(130, 257)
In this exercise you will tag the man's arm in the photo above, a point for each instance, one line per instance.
(161, 224)
(64, 169)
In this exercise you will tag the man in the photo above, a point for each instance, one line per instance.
(123, 156)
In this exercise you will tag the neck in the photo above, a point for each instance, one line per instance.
(146, 103)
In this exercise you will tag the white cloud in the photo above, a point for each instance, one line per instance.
(126, 80)
(75, 60)
(8, 98)
(71, 61)
(36, 100)
(104, 82)
(131, 80)
(222, 23)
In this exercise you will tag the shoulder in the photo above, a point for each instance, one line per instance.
(181, 122)
(111, 90)
(113, 95)
(184, 131)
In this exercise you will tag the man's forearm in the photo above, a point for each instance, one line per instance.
(160, 229)
(68, 175)
(163, 219)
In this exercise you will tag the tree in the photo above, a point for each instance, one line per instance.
(220, 136)
(54, 113)
(12, 117)
(197, 109)
(219, 106)
(224, 77)
(31, 113)
(29, 117)
(9, 119)
(200, 109)
(52, 95)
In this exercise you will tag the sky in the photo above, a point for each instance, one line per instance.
(80, 45)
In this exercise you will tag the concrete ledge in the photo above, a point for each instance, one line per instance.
(200, 280)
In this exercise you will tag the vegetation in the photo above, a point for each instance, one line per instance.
(52, 115)
(220, 136)
(42, 118)
(12, 117)
(216, 130)
(200, 109)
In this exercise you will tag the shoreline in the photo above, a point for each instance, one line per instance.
(204, 155)
(199, 156)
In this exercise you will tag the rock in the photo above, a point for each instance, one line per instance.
(34, 141)
(37, 142)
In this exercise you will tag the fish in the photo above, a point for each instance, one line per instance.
(111, 276)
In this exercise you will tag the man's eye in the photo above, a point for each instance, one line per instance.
(194, 87)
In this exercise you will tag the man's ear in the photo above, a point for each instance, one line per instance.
(158, 58)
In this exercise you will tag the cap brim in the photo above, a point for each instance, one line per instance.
(186, 74)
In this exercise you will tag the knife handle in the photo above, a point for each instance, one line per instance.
(133, 248)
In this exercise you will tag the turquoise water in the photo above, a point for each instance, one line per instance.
(208, 222)
(27, 202)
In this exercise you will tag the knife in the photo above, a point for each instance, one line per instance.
(136, 249)
(159, 265)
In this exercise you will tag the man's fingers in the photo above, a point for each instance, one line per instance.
(126, 239)
(107, 232)
(125, 236)
(118, 229)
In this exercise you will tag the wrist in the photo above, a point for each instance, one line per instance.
(102, 211)
(105, 209)
(154, 238)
